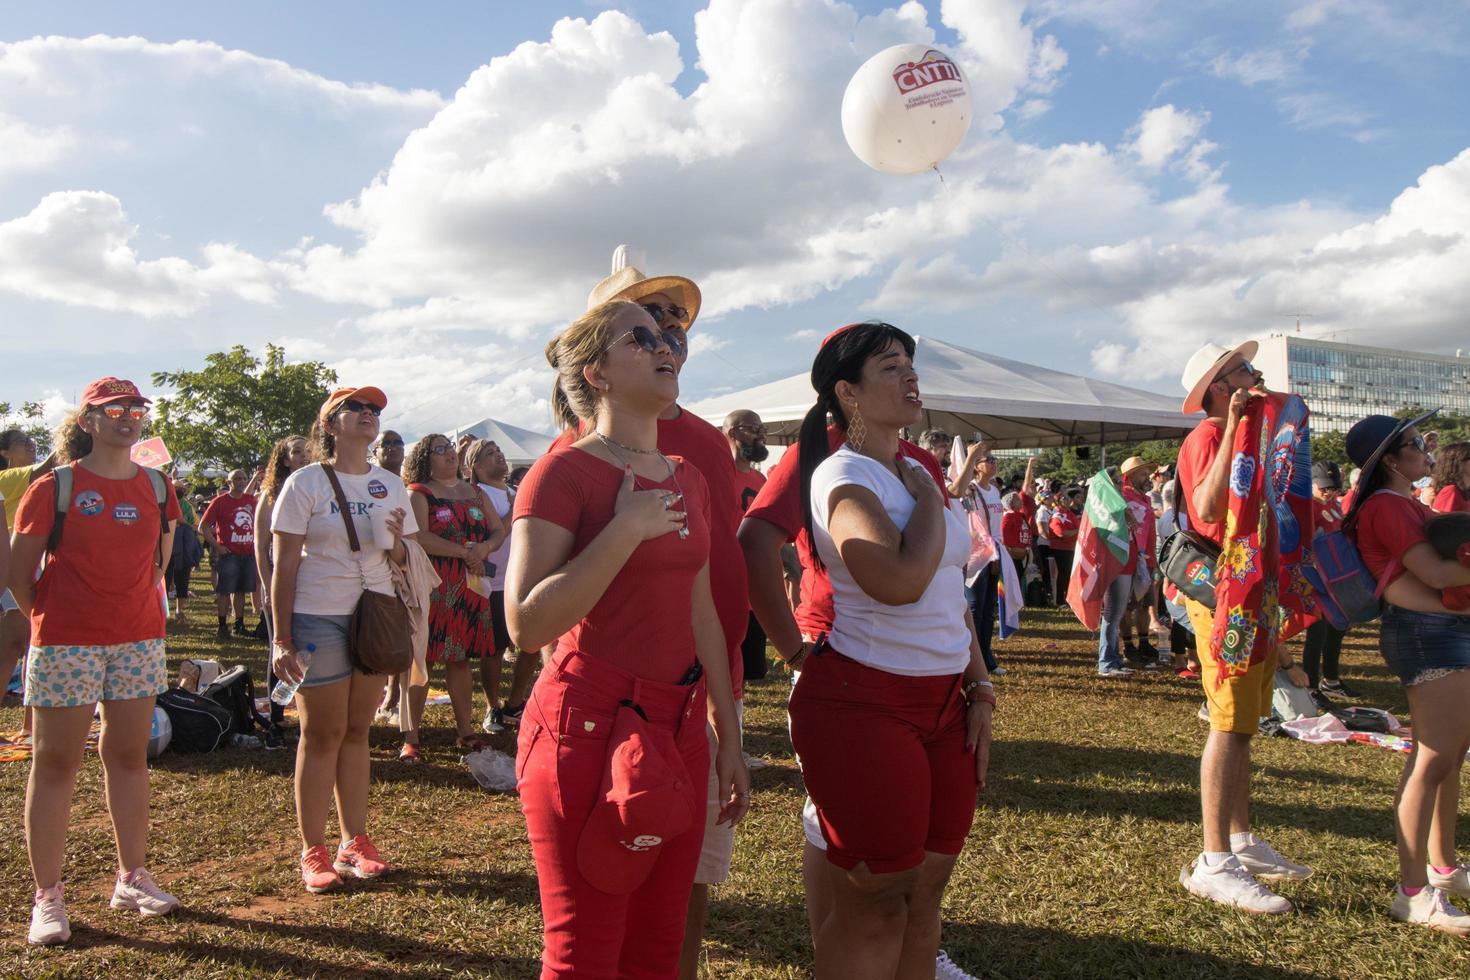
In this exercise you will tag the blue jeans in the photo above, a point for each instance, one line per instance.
(983, 600)
(1114, 606)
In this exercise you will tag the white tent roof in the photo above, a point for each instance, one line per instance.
(522, 447)
(1015, 405)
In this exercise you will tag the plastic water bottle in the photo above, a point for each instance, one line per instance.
(286, 690)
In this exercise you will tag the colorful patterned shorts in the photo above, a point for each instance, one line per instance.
(68, 676)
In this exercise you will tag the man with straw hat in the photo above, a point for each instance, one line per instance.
(1222, 381)
(673, 302)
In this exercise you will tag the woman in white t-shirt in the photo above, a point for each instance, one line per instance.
(318, 580)
(891, 716)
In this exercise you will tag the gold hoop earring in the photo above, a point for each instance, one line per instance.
(857, 430)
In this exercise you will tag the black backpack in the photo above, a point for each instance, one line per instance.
(234, 690)
(200, 725)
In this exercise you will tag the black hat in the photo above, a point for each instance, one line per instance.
(1370, 438)
(1326, 475)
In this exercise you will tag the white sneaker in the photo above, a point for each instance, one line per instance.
(999, 671)
(1457, 882)
(1230, 884)
(752, 762)
(1115, 672)
(947, 969)
(139, 892)
(49, 925)
(1261, 860)
(1428, 908)
(1204, 711)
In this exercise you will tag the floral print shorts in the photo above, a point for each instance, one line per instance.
(68, 676)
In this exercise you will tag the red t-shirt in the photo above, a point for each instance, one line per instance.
(643, 622)
(749, 484)
(1064, 528)
(1145, 528)
(1195, 457)
(1015, 529)
(1389, 524)
(705, 448)
(1450, 499)
(98, 589)
(779, 504)
(1327, 519)
(1028, 507)
(233, 520)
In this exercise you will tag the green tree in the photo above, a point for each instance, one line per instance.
(231, 412)
(29, 418)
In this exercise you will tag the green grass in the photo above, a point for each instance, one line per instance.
(1071, 870)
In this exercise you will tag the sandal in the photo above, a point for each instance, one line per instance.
(409, 752)
(471, 743)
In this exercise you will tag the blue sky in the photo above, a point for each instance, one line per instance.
(1141, 176)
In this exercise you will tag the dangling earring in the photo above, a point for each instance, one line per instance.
(857, 430)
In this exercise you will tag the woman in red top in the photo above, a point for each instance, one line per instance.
(1065, 524)
(1322, 651)
(459, 529)
(612, 556)
(1452, 478)
(1428, 646)
(97, 628)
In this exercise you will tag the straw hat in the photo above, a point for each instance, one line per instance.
(1133, 463)
(627, 281)
(1204, 366)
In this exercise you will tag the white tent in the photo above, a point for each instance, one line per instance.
(522, 447)
(1015, 405)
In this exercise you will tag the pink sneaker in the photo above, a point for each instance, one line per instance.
(360, 857)
(316, 870)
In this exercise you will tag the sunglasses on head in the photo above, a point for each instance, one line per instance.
(353, 405)
(650, 341)
(677, 313)
(135, 412)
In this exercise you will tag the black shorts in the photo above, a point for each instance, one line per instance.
(497, 622)
(236, 574)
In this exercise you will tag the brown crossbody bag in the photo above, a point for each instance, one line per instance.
(378, 639)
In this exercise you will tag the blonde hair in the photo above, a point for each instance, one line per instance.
(71, 441)
(584, 342)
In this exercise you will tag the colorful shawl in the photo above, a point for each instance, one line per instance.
(1268, 524)
(1102, 549)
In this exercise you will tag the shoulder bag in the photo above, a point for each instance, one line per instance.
(378, 639)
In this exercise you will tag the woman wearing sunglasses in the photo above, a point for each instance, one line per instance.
(611, 561)
(316, 585)
(1428, 646)
(97, 635)
(460, 530)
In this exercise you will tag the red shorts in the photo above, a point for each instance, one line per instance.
(561, 756)
(884, 759)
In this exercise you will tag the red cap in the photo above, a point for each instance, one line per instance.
(111, 389)
(371, 395)
(644, 803)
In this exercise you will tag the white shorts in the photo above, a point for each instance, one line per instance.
(719, 839)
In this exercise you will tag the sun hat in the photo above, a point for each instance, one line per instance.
(1202, 368)
(1369, 439)
(1133, 463)
(627, 281)
(643, 803)
(369, 394)
(110, 389)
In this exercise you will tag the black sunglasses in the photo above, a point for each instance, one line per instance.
(353, 405)
(650, 341)
(678, 313)
(1417, 442)
(1242, 366)
(391, 442)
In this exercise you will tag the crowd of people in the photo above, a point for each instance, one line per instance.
(642, 568)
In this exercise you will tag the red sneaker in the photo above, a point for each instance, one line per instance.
(316, 870)
(360, 857)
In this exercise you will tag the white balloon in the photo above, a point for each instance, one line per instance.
(160, 734)
(906, 109)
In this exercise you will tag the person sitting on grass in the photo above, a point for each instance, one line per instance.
(317, 583)
(97, 635)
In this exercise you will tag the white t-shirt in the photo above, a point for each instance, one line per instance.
(328, 581)
(920, 639)
(501, 500)
(1043, 523)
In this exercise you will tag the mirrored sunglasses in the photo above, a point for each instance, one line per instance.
(135, 412)
(353, 405)
(659, 313)
(650, 341)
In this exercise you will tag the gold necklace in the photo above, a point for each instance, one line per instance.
(612, 447)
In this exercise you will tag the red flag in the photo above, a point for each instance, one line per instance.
(1096, 562)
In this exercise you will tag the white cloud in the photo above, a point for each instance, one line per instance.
(28, 147)
(1162, 133)
(1272, 64)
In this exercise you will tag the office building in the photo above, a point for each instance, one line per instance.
(1341, 383)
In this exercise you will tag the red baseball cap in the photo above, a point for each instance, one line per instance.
(369, 394)
(110, 389)
(644, 803)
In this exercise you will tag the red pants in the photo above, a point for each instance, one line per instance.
(589, 933)
(884, 760)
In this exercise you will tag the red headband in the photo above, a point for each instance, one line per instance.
(839, 331)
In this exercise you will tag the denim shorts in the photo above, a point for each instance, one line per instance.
(1415, 642)
(329, 662)
(7, 603)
